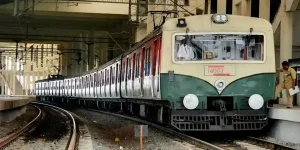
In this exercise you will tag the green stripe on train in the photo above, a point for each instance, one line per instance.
(175, 86)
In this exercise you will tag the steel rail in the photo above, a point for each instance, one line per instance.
(164, 129)
(11, 137)
(73, 139)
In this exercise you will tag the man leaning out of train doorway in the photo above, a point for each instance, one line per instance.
(289, 76)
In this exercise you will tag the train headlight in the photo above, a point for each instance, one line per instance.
(219, 18)
(220, 84)
(256, 101)
(181, 22)
(190, 101)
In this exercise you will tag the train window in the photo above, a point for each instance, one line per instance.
(138, 65)
(91, 81)
(158, 55)
(129, 69)
(147, 61)
(119, 73)
(102, 78)
(96, 79)
(99, 79)
(154, 58)
(86, 82)
(106, 77)
(123, 71)
(112, 75)
(218, 47)
(133, 65)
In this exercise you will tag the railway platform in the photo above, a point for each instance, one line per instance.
(13, 106)
(285, 123)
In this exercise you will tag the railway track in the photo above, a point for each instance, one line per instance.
(13, 136)
(73, 140)
(188, 138)
(247, 143)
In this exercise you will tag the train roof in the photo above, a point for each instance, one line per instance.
(204, 22)
(118, 58)
(51, 79)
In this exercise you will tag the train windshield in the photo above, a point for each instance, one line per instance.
(219, 47)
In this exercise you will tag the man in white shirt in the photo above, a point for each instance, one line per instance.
(185, 52)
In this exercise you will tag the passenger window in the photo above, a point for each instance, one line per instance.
(137, 71)
(111, 75)
(123, 70)
(155, 50)
(147, 61)
(129, 69)
(106, 77)
(119, 73)
(86, 82)
(133, 65)
(92, 81)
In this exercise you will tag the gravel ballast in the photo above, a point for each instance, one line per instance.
(9, 127)
(110, 132)
(52, 132)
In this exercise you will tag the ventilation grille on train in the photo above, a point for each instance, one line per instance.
(214, 122)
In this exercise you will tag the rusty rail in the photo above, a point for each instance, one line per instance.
(73, 138)
(11, 137)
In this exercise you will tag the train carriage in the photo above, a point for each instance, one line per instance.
(198, 73)
(227, 80)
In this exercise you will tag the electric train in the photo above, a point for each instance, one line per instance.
(198, 73)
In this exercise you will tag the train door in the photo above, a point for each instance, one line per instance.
(92, 86)
(111, 82)
(97, 85)
(137, 78)
(102, 84)
(69, 87)
(114, 82)
(72, 87)
(85, 83)
(81, 87)
(129, 78)
(123, 76)
(133, 79)
(76, 86)
(126, 77)
(147, 78)
(106, 83)
(117, 80)
(142, 71)
(155, 66)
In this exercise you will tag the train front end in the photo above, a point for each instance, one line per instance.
(218, 72)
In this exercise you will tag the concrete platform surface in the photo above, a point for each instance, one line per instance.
(7, 102)
(280, 112)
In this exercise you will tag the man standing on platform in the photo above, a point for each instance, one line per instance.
(289, 75)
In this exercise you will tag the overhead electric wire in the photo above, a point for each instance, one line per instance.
(165, 10)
